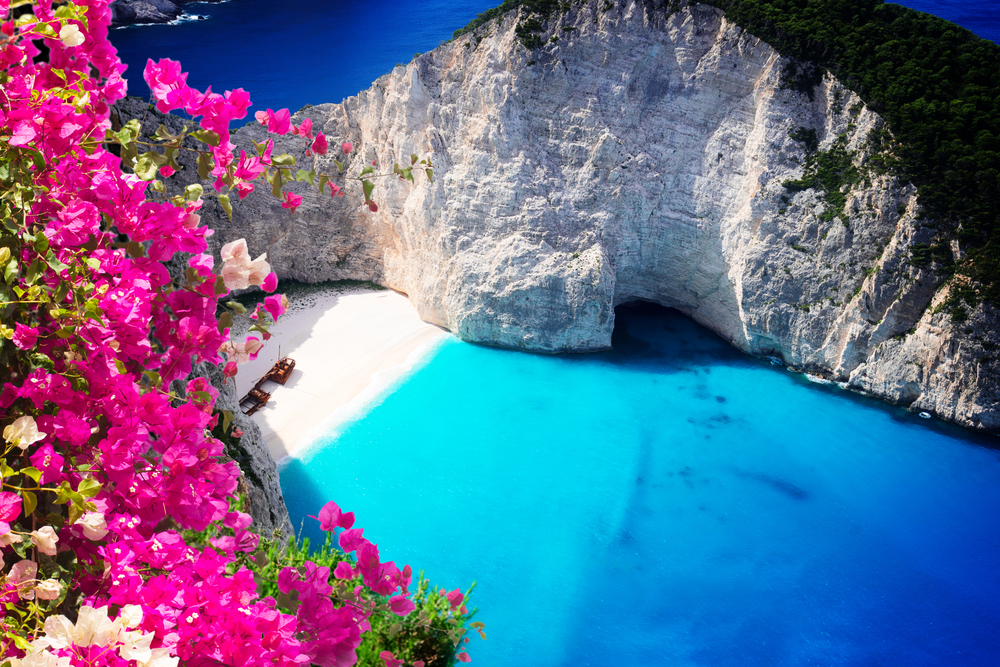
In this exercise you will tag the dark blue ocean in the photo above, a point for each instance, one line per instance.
(671, 503)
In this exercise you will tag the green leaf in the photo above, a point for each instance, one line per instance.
(33, 473)
(307, 176)
(237, 306)
(163, 134)
(10, 271)
(135, 249)
(193, 192)
(202, 396)
(35, 269)
(154, 378)
(413, 158)
(367, 170)
(368, 188)
(205, 165)
(276, 182)
(220, 286)
(283, 160)
(225, 321)
(75, 512)
(41, 242)
(120, 365)
(145, 166)
(207, 136)
(158, 186)
(54, 262)
(226, 205)
(60, 292)
(340, 165)
(323, 180)
(227, 419)
(30, 502)
(89, 488)
(129, 132)
(430, 175)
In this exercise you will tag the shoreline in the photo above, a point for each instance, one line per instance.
(349, 345)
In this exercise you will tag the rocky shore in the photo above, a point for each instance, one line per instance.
(134, 12)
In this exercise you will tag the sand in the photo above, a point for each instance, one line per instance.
(339, 341)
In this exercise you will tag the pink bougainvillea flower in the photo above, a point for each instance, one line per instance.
(319, 145)
(276, 305)
(400, 605)
(330, 517)
(10, 506)
(347, 147)
(292, 201)
(455, 599)
(463, 657)
(49, 462)
(305, 129)
(279, 122)
(270, 283)
(231, 369)
(24, 133)
(373, 207)
(390, 661)
(166, 171)
(351, 539)
(25, 337)
(344, 571)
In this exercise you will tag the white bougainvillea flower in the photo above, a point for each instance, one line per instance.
(94, 628)
(23, 432)
(22, 577)
(94, 525)
(41, 659)
(45, 539)
(48, 589)
(236, 252)
(238, 271)
(70, 35)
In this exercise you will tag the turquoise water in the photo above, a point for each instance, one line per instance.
(674, 502)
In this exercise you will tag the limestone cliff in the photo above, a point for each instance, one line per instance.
(635, 156)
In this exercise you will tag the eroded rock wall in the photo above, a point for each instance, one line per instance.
(636, 156)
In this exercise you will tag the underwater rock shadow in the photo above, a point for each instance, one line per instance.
(782, 486)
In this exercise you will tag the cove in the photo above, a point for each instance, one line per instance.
(672, 502)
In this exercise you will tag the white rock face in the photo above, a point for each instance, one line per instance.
(637, 157)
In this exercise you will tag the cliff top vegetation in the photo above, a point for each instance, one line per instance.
(936, 84)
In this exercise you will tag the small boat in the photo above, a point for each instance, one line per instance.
(257, 397)
(281, 371)
(925, 415)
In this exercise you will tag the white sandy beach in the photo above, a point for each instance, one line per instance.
(339, 341)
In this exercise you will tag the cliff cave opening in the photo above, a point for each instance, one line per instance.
(650, 331)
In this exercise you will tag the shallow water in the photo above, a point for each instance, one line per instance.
(674, 502)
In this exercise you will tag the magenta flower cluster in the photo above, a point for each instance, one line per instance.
(103, 466)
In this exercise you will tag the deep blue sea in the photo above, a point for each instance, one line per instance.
(672, 502)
